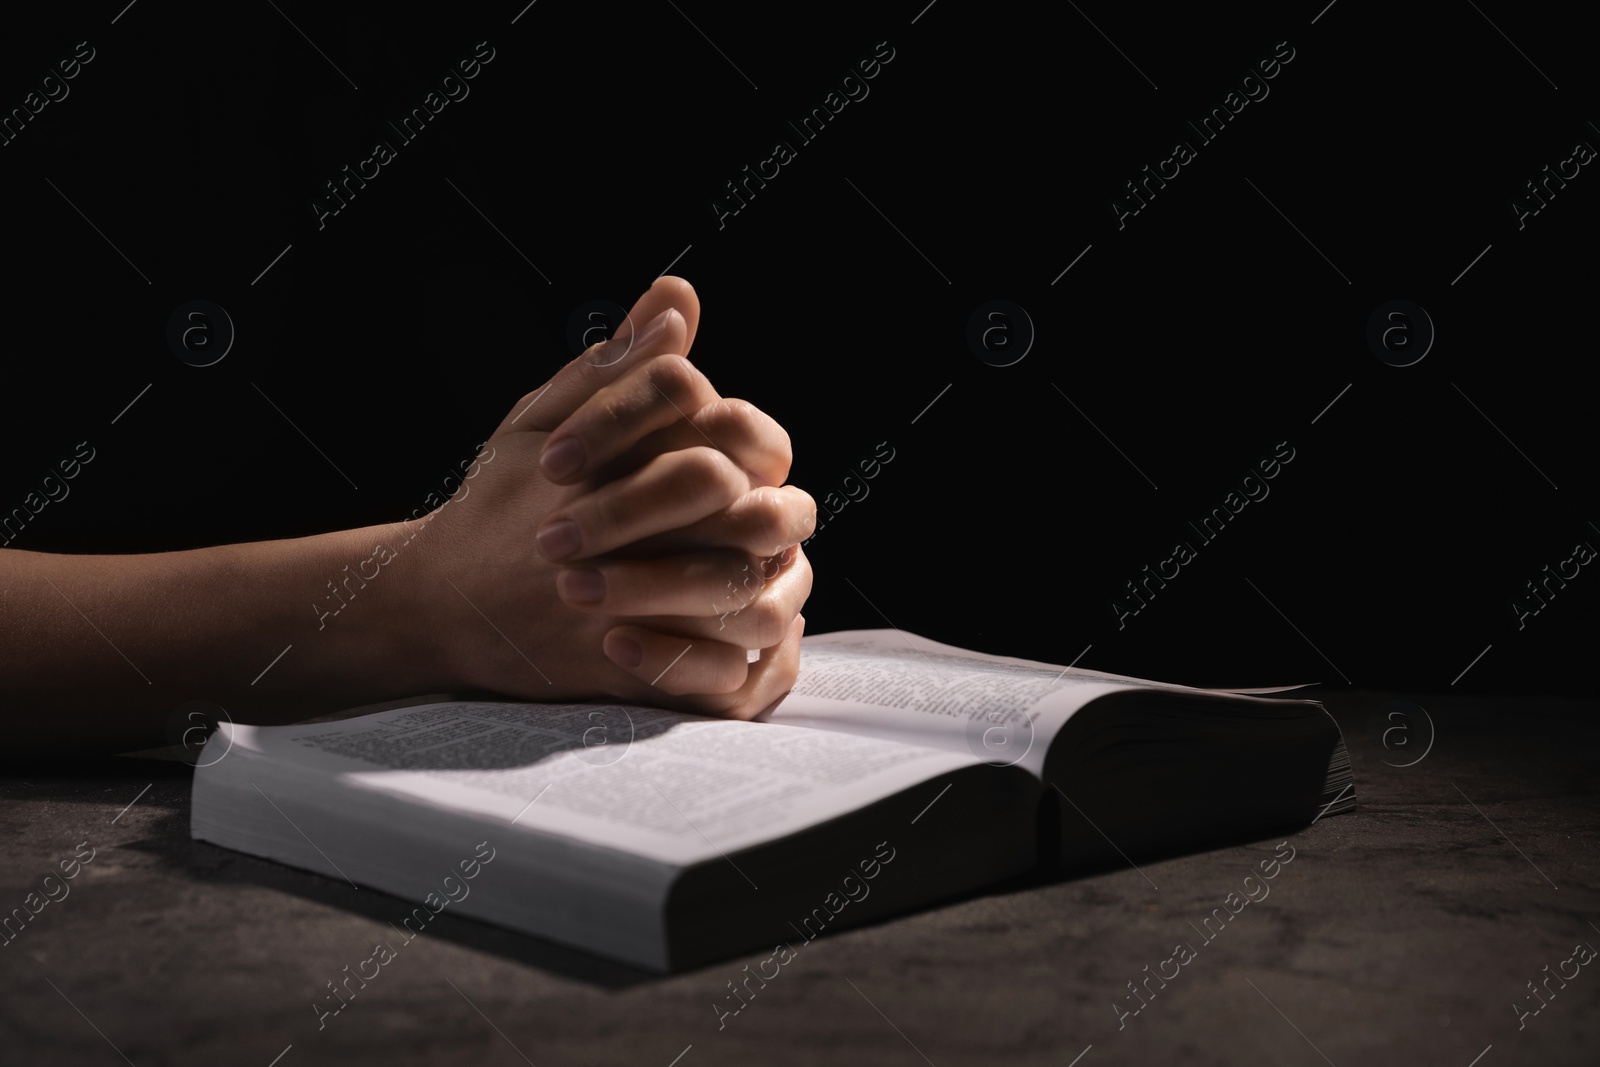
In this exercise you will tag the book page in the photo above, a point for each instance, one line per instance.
(903, 642)
(896, 685)
(674, 787)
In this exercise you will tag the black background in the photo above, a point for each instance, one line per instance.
(1219, 321)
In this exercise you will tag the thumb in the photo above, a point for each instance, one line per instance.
(663, 320)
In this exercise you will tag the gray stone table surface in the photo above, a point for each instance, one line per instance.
(1404, 933)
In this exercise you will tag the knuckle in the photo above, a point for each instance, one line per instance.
(739, 416)
(608, 403)
(770, 567)
(806, 526)
(801, 517)
(713, 473)
(786, 675)
(775, 517)
(769, 516)
(782, 445)
(758, 428)
(769, 622)
(673, 375)
(804, 576)
(607, 513)
(693, 474)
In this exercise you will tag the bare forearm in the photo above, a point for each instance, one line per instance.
(98, 651)
(662, 496)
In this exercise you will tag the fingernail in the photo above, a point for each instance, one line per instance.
(583, 585)
(559, 539)
(562, 458)
(651, 330)
(624, 651)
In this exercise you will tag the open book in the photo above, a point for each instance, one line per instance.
(897, 773)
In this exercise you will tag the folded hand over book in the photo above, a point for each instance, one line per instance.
(666, 544)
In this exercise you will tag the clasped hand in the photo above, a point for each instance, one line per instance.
(632, 538)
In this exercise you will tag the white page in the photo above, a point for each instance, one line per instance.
(682, 790)
(898, 685)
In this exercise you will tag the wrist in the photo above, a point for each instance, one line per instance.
(381, 594)
(490, 618)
